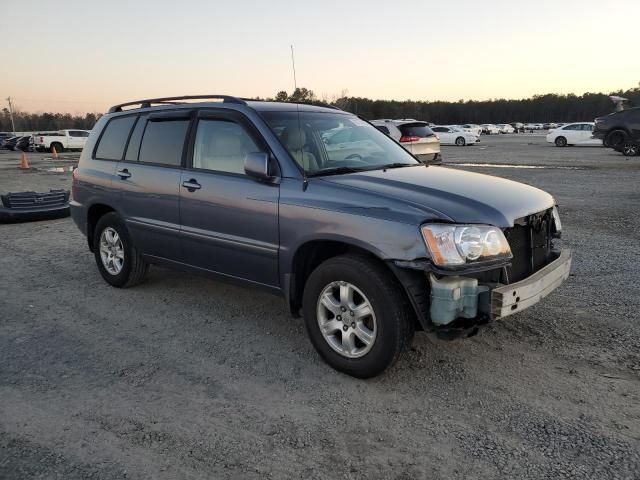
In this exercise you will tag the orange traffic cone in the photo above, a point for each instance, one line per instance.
(54, 153)
(24, 163)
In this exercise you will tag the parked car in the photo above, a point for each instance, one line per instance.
(450, 135)
(580, 133)
(471, 128)
(4, 136)
(61, 140)
(24, 144)
(415, 136)
(619, 128)
(505, 128)
(10, 143)
(490, 129)
(368, 249)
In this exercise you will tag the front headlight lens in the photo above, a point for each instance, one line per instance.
(452, 245)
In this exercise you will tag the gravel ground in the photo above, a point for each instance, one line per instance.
(184, 377)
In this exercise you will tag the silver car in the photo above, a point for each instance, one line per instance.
(415, 136)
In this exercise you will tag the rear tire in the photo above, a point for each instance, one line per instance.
(561, 142)
(616, 138)
(119, 262)
(335, 293)
(58, 146)
(460, 142)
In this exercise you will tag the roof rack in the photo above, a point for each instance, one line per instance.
(176, 100)
(303, 102)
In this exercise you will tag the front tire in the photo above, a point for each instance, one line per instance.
(119, 262)
(561, 142)
(460, 142)
(631, 149)
(357, 315)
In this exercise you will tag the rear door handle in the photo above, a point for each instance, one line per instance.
(123, 174)
(191, 185)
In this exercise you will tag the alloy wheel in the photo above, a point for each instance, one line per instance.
(346, 319)
(111, 251)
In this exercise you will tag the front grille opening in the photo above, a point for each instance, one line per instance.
(530, 242)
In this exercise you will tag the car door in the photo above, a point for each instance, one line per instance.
(571, 133)
(73, 139)
(229, 220)
(148, 178)
(445, 135)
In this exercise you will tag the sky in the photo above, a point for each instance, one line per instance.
(84, 56)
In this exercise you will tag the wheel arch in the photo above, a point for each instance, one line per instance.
(94, 213)
(309, 255)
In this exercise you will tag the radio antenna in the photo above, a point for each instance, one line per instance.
(305, 180)
(293, 65)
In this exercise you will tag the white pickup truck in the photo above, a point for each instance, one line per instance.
(61, 140)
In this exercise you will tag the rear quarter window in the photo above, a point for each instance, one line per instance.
(114, 138)
(415, 130)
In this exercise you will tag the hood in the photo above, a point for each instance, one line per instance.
(458, 195)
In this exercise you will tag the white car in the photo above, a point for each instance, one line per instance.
(573, 134)
(505, 128)
(471, 128)
(490, 129)
(415, 136)
(451, 135)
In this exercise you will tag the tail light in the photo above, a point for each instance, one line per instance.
(409, 138)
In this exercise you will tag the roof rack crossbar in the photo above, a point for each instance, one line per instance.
(174, 100)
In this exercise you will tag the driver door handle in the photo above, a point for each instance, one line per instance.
(123, 174)
(191, 185)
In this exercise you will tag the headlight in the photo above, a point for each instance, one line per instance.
(451, 245)
(556, 221)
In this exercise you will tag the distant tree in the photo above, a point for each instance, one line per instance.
(281, 96)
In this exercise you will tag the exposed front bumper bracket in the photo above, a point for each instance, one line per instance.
(509, 299)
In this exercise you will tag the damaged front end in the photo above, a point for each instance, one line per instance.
(462, 298)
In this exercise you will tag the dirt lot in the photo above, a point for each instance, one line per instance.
(183, 377)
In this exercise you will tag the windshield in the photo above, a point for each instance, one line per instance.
(324, 143)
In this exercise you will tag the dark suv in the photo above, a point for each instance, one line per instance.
(620, 130)
(369, 245)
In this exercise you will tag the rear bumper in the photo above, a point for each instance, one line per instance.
(430, 158)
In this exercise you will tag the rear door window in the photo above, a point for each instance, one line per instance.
(114, 138)
(163, 142)
(415, 130)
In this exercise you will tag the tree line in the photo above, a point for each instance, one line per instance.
(48, 121)
(539, 108)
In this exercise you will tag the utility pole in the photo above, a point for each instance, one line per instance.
(13, 125)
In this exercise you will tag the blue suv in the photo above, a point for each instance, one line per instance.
(363, 240)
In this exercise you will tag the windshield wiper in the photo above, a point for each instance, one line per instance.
(335, 171)
(398, 165)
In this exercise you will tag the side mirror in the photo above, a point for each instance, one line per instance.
(256, 165)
